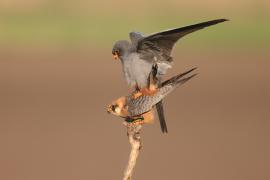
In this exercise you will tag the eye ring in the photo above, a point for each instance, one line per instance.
(113, 107)
(116, 52)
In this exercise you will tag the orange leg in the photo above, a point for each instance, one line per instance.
(137, 94)
(151, 91)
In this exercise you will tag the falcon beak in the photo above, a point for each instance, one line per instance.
(109, 109)
(115, 56)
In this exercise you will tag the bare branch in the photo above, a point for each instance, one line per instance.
(133, 133)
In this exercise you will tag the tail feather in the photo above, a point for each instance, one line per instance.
(177, 77)
(169, 85)
(159, 105)
(174, 81)
(161, 116)
(182, 81)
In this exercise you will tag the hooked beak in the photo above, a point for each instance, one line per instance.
(109, 109)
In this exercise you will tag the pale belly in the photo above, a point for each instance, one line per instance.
(136, 71)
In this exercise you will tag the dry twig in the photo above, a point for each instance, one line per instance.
(133, 133)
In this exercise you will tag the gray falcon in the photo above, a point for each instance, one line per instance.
(149, 57)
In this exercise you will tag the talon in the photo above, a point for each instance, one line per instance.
(138, 122)
(149, 92)
(137, 94)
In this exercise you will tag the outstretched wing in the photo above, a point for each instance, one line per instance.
(160, 45)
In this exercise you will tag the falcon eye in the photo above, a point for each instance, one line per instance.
(113, 107)
(116, 54)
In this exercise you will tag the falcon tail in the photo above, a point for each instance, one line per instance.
(180, 78)
(161, 117)
(159, 105)
(169, 85)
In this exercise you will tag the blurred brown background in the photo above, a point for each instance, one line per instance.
(57, 75)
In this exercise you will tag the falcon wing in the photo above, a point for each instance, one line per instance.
(135, 37)
(160, 45)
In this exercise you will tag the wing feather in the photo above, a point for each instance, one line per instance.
(160, 44)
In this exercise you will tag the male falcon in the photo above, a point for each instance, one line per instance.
(149, 57)
(140, 109)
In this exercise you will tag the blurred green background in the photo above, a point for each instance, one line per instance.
(100, 23)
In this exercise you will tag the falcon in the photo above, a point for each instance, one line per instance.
(139, 109)
(145, 59)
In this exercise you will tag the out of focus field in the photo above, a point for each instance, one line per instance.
(57, 75)
(101, 22)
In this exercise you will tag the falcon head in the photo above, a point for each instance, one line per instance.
(118, 107)
(120, 48)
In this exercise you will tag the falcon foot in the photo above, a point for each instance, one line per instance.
(151, 91)
(148, 92)
(137, 94)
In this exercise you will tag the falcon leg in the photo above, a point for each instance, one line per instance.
(151, 91)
